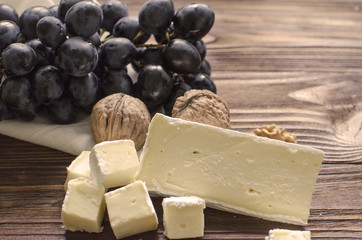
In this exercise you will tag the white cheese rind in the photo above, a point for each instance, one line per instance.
(232, 171)
(83, 207)
(183, 217)
(130, 210)
(285, 234)
(114, 163)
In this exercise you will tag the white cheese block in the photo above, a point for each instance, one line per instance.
(284, 234)
(183, 217)
(78, 168)
(232, 171)
(83, 207)
(130, 210)
(114, 163)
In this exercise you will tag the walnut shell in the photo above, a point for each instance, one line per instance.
(202, 106)
(274, 132)
(120, 116)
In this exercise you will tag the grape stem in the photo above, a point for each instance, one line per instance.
(151, 45)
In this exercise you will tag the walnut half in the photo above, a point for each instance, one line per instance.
(120, 116)
(274, 132)
(202, 106)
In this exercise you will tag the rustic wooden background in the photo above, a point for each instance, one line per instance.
(295, 63)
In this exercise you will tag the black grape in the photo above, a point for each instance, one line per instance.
(117, 52)
(28, 113)
(154, 85)
(16, 92)
(180, 56)
(64, 6)
(194, 21)
(77, 56)
(95, 39)
(129, 28)
(178, 90)
(205, 68)
(116, 81)
(113, 10)
(29, 19)
(9, 33)
(7, 12)
(201, 48)
(84, 90)
(202, 81)
(147, 56)
(18, 58)
(54, 10)
(51, 31)
(48, 84)
(156, 15)
(62, 111)
(84, 19)
(5, 112)
(44, 55)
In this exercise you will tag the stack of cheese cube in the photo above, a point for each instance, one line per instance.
(114, 164)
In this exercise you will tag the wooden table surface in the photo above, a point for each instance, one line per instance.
(296, 63)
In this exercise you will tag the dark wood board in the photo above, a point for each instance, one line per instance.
(297, 64)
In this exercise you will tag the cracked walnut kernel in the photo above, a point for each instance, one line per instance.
(274, 132)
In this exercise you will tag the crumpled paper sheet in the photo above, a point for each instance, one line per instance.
(72, 138)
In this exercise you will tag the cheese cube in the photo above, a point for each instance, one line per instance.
(284, 234)
(130, 210)
(232, 171)
(83, 207)
(114, 163)
(78, 168)
(183, 217)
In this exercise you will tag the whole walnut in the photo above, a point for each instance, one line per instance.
(202, 106)
(120, 116)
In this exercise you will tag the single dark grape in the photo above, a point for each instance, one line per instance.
(7, 12)
(62, 111)
(64, 6)
(9, 33)
(156, 109)
(205, 68)
(178, 90)
(95, 39)
(28, 113)
(29, 19)
(154, 85)
(5, 112)
(77, 56)
(48, 84)
(84, 90)
(84, 19)
(51, 31)
(194, 21)
(201, 48)
(18, 58)
(54, 10)
(117, 52)
(147, 56)
(116, 81)
(129, 28)
(44, 54)
(113, 10)
(156, 15)
(202, 81)
(180, 56)
(16, 92)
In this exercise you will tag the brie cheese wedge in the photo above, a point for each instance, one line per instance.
(232, 171)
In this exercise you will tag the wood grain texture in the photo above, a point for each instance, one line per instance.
(297, 64)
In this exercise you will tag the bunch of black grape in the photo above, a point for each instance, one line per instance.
(57, 61)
